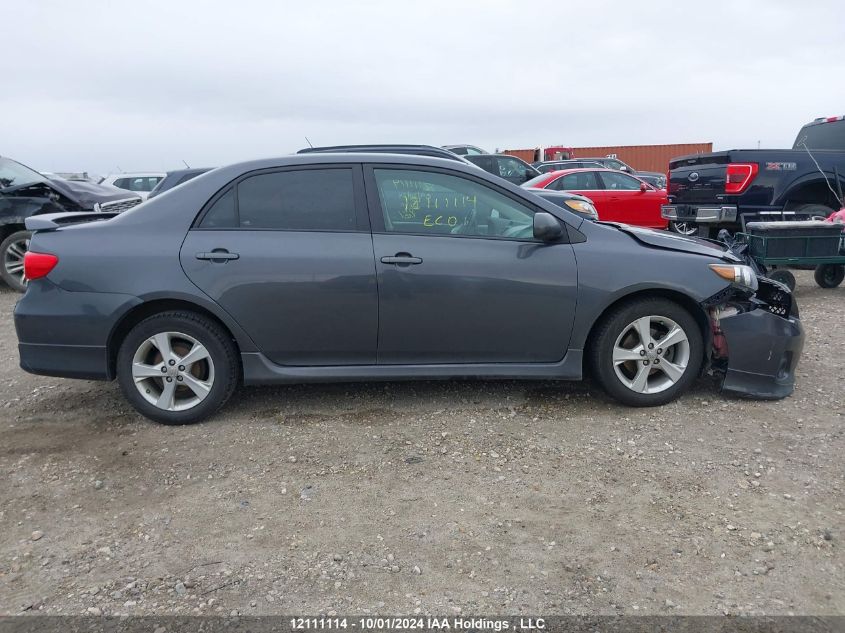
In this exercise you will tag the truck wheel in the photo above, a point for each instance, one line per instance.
(647, 352)
(684, 228)
(783, 276)
(829, 275)
(13, 248)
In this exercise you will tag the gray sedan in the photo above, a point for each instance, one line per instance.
(343, 267)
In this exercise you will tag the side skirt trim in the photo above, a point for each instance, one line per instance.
(258, 370)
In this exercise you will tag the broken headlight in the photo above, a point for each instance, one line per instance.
(740, 276)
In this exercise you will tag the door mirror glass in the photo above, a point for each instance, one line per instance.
(643, 187)
(546, 227)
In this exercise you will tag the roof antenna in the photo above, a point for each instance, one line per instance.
(309, 143)
(186, 164)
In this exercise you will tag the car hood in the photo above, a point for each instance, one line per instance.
(86, 194)
(675, 242)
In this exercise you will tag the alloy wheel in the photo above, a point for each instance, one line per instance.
(173, 371)
(13, 260)
(684, 228)
(651, 354)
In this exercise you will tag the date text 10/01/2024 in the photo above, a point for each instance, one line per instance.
(419, 623)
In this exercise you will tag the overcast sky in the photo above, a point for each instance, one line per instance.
(102, 86)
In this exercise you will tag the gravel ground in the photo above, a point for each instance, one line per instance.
(436, 498)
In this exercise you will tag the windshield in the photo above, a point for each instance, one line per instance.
(14, 174)
(827, 135)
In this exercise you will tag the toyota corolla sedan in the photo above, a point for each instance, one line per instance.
(346, 267)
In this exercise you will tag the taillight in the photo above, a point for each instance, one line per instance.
(738, 176)
(38, 265)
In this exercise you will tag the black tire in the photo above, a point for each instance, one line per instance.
(11, 258)
(219, 372)
(783, 276)
(615, 325)
(829, 275)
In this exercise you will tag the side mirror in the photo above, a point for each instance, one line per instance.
(547, 227)
(643, 187)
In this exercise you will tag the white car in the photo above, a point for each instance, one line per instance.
(141, 183)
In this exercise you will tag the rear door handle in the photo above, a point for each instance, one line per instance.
(218, 256)
(401, 259)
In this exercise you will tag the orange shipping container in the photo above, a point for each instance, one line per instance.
(640, 157)
(525, 154)
(645, 157)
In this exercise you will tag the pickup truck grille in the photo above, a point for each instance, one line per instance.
(119, 206)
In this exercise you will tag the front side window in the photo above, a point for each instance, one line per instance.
(578, 181)
(512, 168)
(619, 181)
(425, 203)
(302, 200)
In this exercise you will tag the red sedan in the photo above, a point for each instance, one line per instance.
(617, 196)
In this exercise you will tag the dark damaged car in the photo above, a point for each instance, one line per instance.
(24, 193)
(344, 267)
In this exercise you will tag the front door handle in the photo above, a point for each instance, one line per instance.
(402, 259)
(218, 256)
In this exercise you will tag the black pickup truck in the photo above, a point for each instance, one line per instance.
(725, 190)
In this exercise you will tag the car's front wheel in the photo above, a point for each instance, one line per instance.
(647, 352)
(13, 249)
(177, 367)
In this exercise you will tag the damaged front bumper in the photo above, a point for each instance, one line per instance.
(757, 342)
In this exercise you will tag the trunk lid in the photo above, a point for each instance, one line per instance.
(699, 178)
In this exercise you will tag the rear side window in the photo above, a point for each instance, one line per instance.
(829, 135)
(582, 180)
(311, 199)
(303, 200)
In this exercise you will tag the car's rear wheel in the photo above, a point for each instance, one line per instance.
(177, 367)
(13, 249)
(647, 352)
